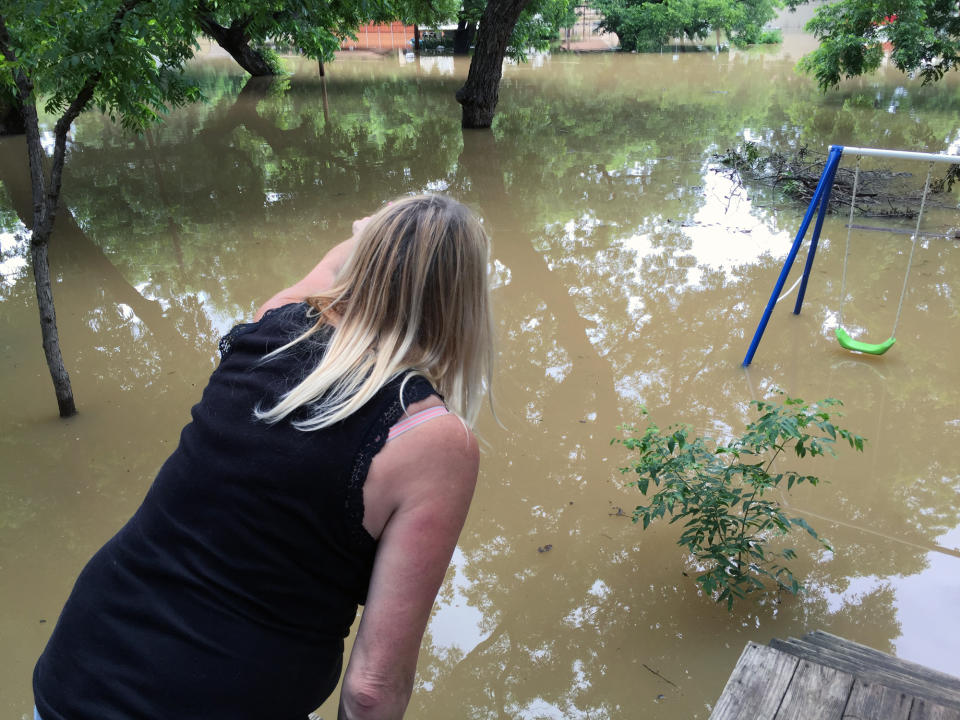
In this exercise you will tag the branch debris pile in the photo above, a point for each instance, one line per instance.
(880, 192)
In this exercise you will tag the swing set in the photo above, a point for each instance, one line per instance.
(818, 204)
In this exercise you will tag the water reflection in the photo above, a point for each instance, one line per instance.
(626, 271)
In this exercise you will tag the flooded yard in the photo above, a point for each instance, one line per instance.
(628, 270)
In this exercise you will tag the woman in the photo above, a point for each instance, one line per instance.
(320, 471)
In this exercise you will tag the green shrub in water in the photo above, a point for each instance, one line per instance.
(719, 490)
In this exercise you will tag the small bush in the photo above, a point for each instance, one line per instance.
(719, 491)
(755, 35)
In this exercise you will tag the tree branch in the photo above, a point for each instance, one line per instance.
(50, 192)
(5, 41)
(31, 128)
(241, 24)
(73, 110)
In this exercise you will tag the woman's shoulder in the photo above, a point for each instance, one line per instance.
(437, 439)
(286, 322)
(433, 465)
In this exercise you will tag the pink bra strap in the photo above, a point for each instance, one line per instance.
(412, 421)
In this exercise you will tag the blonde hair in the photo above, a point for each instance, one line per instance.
(412, 299)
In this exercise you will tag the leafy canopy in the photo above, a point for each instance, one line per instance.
(316, 27)
(646, 25)
(538, 24)
(923, 37)
(131, 52)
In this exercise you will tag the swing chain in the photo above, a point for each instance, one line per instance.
(913, 247)
(846, 254)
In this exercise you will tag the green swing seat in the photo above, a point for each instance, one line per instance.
(843, 337)
(849, 343)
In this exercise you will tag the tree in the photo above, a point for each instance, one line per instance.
(125, 59)
(315, 27)
(646, 25)
(506, 27)
(924, 37)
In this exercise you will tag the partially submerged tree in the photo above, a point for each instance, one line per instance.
(646, 25)
(507, 27)
(923, 37)
(314, 28)
(125, 59)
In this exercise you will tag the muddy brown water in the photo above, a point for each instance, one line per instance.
(626, 271)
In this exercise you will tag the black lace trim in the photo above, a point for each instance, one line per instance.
(416, 389)
(227, 341)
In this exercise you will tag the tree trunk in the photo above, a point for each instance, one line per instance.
(326, 104)
(11, 116)
(463, 38)
(48, 329)
(480, 93)
(416, 38)
(234, 40)
(39, 238)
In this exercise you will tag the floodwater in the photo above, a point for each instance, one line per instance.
(627, 271)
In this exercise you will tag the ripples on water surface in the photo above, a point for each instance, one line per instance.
(626, 270)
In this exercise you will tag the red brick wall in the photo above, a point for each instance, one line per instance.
(381, 37)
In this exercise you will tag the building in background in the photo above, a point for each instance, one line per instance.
(386, 36)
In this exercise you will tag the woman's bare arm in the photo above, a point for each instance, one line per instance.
(317, 280)
(432, 473)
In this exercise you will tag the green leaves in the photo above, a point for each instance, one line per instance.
(719, 491)
(646, 25)
(131, 53)
(923, 37)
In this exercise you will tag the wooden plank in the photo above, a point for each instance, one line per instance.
(756, 686)
(926, 710)
(875, 667)
(871, 701)
(882, 659)
(815, 693)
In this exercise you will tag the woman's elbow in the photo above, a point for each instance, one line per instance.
(373, 698)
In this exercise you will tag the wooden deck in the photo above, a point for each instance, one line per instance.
(824, 677)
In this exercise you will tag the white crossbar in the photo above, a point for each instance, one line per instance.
(900, 154)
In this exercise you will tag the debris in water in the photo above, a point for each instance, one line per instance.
(880, 192)
(666, 680)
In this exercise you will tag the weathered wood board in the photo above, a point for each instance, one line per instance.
(823, 677)
(815, 693)
(870, 701)
(757, 685)
(926, 710)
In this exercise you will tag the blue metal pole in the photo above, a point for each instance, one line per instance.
(836, 152)
(778, 288)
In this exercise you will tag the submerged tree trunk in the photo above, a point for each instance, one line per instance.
(11, 116)
(48, 329)
(45, 198)
(463, 38)
(234, 40)
(480, 93)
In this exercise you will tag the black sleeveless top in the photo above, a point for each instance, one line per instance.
(229, 592)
